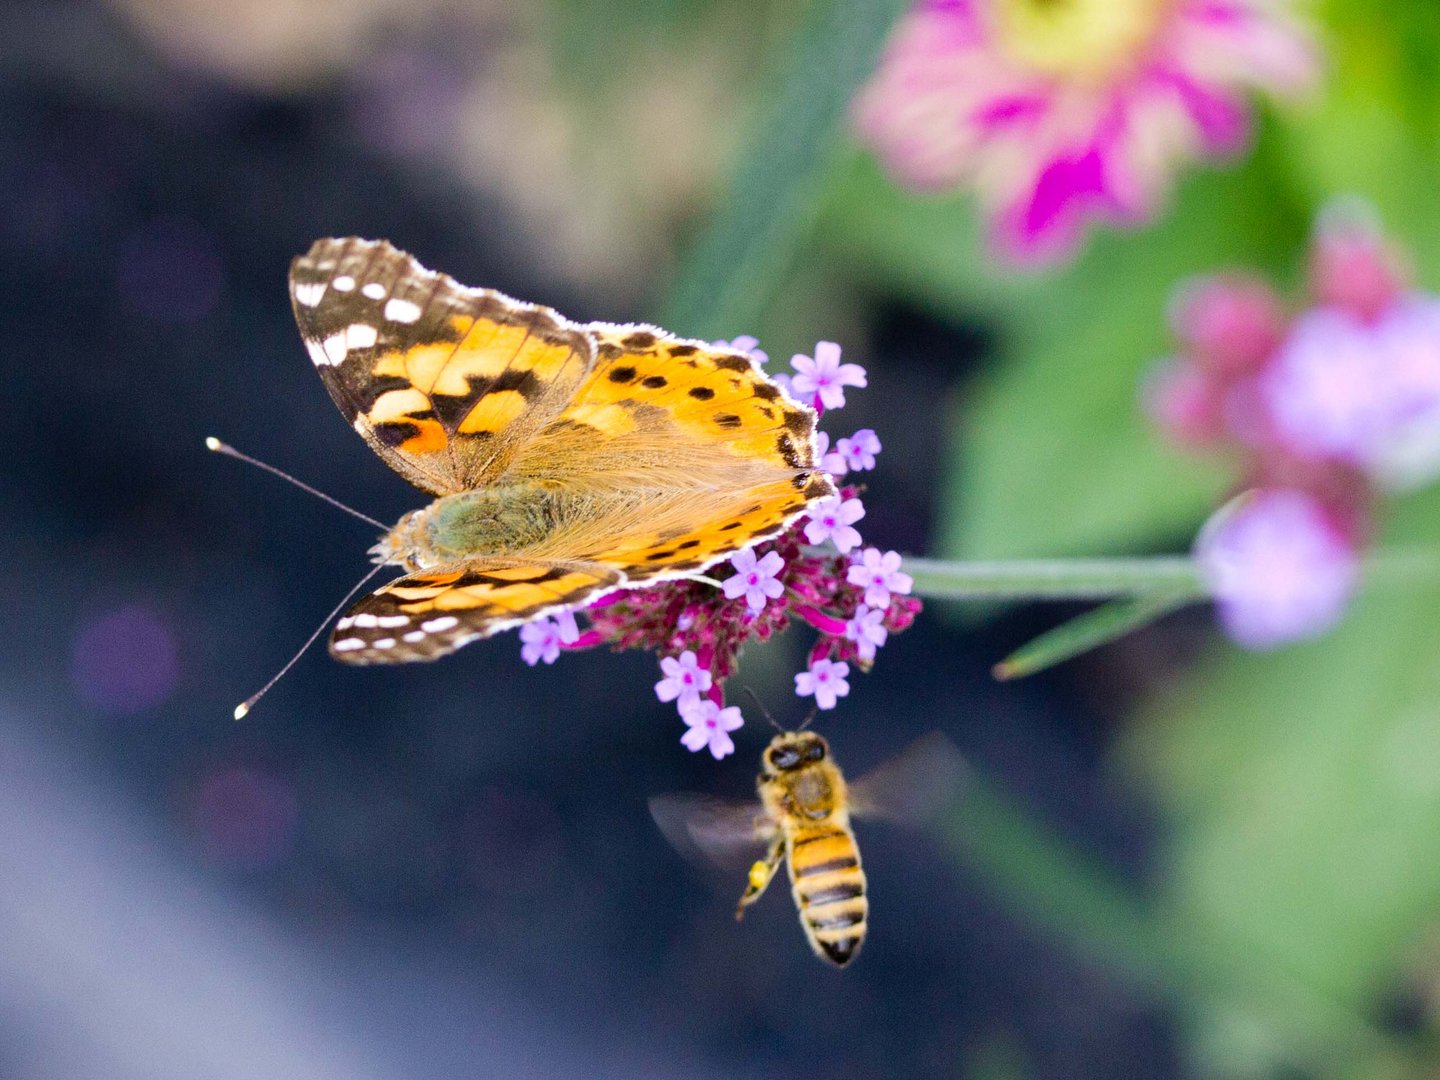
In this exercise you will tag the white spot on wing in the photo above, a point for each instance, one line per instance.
(404, 311)
(388, 621)
(335, 348)
(345, 623)
(360, 335)
(414, 636)
(343, 283)
(367, 619)
(383, 643)
(444, 622)
(317, 353)
(349, 644)
(309, 293)
(374, 290)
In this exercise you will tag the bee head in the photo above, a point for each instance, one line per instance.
(793, 750)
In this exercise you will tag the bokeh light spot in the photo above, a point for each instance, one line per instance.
(125, 661)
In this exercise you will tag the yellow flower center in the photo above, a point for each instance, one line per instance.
(1081, 40)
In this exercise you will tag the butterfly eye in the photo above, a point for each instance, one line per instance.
(784, 758)
(815, 752)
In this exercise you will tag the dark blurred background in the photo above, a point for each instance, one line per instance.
(449, 870)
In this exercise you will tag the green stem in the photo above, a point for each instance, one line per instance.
(772, 201)
(1055, 579)
(1173, 576)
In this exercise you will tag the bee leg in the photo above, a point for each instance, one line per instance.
(760, 875)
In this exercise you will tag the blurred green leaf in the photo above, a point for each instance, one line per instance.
(1304, 789)
(774, 197)
(1096, 627)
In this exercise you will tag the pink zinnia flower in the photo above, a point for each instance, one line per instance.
(1280, 566)
(1060, 113)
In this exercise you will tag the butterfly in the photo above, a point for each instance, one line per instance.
(566, 459)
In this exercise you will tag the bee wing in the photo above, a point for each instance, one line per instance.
(914, 787)
(710, 832)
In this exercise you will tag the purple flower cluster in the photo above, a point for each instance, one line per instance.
(817, 572)
(1324, 410)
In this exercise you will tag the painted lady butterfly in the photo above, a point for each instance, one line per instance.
(567, 459)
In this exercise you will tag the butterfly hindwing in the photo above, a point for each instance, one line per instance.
(443, 381)
(726, 457)
(427, 614)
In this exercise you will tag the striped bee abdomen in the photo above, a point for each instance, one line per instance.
(829, 888)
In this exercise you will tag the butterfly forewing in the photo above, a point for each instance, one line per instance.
(443, 381)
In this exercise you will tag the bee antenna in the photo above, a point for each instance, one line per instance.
(809, 719)
(763, 711)
(249, 703)
(212, 443)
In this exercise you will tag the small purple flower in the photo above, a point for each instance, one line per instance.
(859, 450)
(832, 461)
(754, 579)
(867, 630)
(709, 725)
(684, 680)
(1326, 390)
(825, 681)
(1278, 565)
(824, 378)
(543, 638)
(833, 518)
(745, 344)
(880, 576)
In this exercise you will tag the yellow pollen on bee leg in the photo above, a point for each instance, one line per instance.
(759, 874)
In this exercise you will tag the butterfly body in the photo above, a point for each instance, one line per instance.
(565, 459)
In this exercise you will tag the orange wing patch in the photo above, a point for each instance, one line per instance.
(716, 397)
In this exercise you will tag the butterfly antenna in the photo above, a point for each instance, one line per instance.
(764, 711)
(809, 719)
(249, 703)
(219, 447)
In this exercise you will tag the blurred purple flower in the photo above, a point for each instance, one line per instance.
(1279, 566)
(745, 344)
(1063, 113)
(1327, 389)
(708, 725)
(859, 450)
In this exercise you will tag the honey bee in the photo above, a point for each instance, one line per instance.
(803, 818)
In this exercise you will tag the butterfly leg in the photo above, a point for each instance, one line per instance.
(761, 873)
